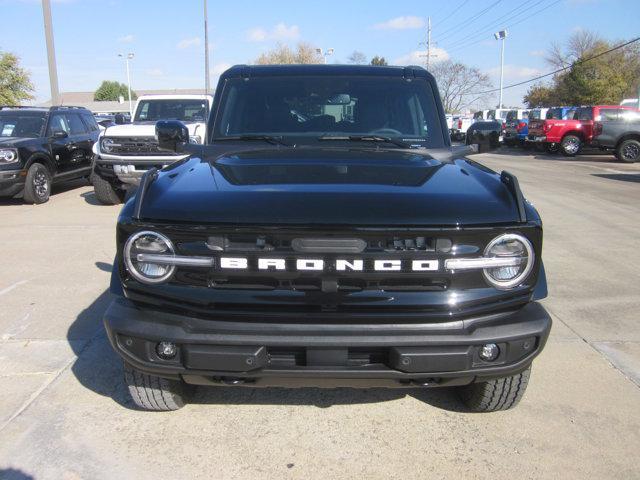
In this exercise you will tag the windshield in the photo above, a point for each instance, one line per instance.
(306, 108)
(535, 114)
(512, 115)
(194, 110)
(17, 125)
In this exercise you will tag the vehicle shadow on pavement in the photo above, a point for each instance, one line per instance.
(623, 177)
(97, 366)
(442, 398)
(91, 199)
(14, 474)
(99, 369)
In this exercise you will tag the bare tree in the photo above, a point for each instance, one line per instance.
(282, 54)
(579, 43)
(357, 58)
(460, 85)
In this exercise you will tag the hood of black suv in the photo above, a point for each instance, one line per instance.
(331, 186)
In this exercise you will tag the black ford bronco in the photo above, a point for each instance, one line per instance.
(327, 234)
(40, 146)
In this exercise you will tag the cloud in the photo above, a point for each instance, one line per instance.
(515, 71)
(281, 32)
(419, 57)
(189, 42)
(400, 23)
(537, 53)
(155, 72)
(126, 39)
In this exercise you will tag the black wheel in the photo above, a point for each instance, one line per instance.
(570, 145)
(552, 147)
(37, 187)
(153, 393)
(540, 147)
(497, 394)
(628, 151)
(526, 145)
(105, 192)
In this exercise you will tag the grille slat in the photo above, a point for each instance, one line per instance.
(139, 146)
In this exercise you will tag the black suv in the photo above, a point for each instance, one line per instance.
(327, 234)
(42, 146)
(618, 130)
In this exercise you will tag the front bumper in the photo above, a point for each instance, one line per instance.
(260, 354)
(536, 138)
(129, 170)
(12, 182)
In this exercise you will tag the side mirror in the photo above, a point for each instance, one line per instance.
(486, 135)
(119, 119)
(60, 134)
(172, 135)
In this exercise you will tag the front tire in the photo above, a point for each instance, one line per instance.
(37, 186)
(570, 145)
(497, 394)
(105, 192)
(153, 393)
(628, 151)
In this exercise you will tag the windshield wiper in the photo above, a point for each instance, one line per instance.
(265, 138)
(367, 138)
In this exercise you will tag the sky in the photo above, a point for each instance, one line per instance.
(167, 37)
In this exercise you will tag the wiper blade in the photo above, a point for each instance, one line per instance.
(367, 138)
(266, 138)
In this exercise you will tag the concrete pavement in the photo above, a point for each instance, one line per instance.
(65, 412)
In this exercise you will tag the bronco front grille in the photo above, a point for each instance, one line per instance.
(137, 146)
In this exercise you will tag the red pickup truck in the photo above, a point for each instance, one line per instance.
(568, 129)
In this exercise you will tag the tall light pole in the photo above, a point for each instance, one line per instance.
(206, 51)
(51, 53)
(501, 35)
(126, 59)
(324, 54)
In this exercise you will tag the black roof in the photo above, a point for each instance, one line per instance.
(39, 109)
(319, 69)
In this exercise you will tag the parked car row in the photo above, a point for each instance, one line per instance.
(564, 129)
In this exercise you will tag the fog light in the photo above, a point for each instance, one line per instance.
(489, 352)
(166, 350)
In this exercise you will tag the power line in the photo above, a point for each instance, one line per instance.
(472, 18)
(528, 17)
(579, 62)
(510, 15)
(454, 11)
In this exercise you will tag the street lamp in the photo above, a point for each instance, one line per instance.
(324, 54)
(126, 59)
(501, 35)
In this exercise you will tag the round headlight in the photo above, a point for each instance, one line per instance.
(107, 145)
(509, 246)
(8, 155)
(148, 243)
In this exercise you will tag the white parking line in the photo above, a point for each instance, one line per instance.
(11, 287)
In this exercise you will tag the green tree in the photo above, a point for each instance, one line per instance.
(15, 82)
(282, 54)
(111, 91)
(380, 61)
(540, 95)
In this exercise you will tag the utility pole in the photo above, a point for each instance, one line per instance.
(207, 86)
(428, 42)
(51, 53)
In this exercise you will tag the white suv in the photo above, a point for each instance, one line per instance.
(123, 153)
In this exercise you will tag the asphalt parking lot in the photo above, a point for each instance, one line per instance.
(64, 412)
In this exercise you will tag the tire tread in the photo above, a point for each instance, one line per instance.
(497, 394)
(150, 392)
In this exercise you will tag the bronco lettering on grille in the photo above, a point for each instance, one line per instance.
(319, 265)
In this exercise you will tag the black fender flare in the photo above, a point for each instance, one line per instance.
(39, 157)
